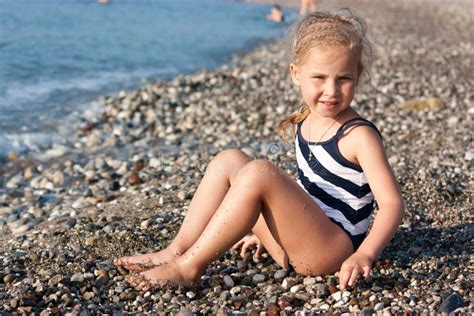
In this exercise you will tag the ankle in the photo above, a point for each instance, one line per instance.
(175, 250)
(188, 270)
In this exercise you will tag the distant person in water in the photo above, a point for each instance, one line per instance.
(308, 6)
(276, 15)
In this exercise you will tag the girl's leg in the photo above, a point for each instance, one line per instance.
(209, 195)
(300, 228)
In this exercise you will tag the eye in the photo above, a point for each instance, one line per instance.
(318, 77)
(345, 78)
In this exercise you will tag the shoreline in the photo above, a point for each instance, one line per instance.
(119, 189)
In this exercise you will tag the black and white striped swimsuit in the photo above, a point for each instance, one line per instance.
(337, 185)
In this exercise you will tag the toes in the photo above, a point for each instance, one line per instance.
(144, 286)
(133, 279)
(133, 266)
(118, 262)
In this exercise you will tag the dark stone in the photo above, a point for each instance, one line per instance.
(367, 311)
(322, 290)
(331, 280)
(114, 186)
(101, 280)
(451, 303)
(71, 223)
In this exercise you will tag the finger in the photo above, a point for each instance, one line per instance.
(259, 251)
(237, 244)
(366, 271)
(244, 251)
(344, 277)
(354, 275)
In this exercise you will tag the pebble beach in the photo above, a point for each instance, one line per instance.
(123, 184)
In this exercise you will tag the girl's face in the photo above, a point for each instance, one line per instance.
(327, 79)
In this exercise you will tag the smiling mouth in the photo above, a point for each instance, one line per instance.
(330, 103)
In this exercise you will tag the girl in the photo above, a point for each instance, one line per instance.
(317, 224)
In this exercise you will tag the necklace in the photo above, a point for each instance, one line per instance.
(335, 120)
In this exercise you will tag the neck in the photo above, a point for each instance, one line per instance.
(324, 120)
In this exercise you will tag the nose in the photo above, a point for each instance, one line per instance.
(331, 88)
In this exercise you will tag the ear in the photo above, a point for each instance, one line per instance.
(294, 71)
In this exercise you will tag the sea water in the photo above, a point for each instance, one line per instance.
(57, 56)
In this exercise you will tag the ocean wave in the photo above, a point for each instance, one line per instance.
(19, 94)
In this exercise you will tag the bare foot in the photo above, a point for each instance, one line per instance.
(146, 261)
(158, 277)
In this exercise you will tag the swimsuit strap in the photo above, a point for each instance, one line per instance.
(298, 127)
(358, 121)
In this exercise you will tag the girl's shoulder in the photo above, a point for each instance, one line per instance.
(356, 126)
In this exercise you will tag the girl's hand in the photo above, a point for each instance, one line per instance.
(356, 265)
(247, 242)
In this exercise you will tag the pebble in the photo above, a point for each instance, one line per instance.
(55, 280)
(280, 274)
(321, 290)
(9, 278)
(337, 296)
(378, 307)
(296, 288)
(88, 295)
(258, 278)
(288, 282)
(77, 277)
(101, 280)
(228, 282)
(127, 296)
(451, 303)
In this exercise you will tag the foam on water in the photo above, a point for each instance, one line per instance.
(17, 93)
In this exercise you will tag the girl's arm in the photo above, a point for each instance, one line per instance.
(371, 157)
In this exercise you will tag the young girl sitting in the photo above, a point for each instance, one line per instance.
(316, 224)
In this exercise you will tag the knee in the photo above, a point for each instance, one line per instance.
(229, 161)
(257, 173)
